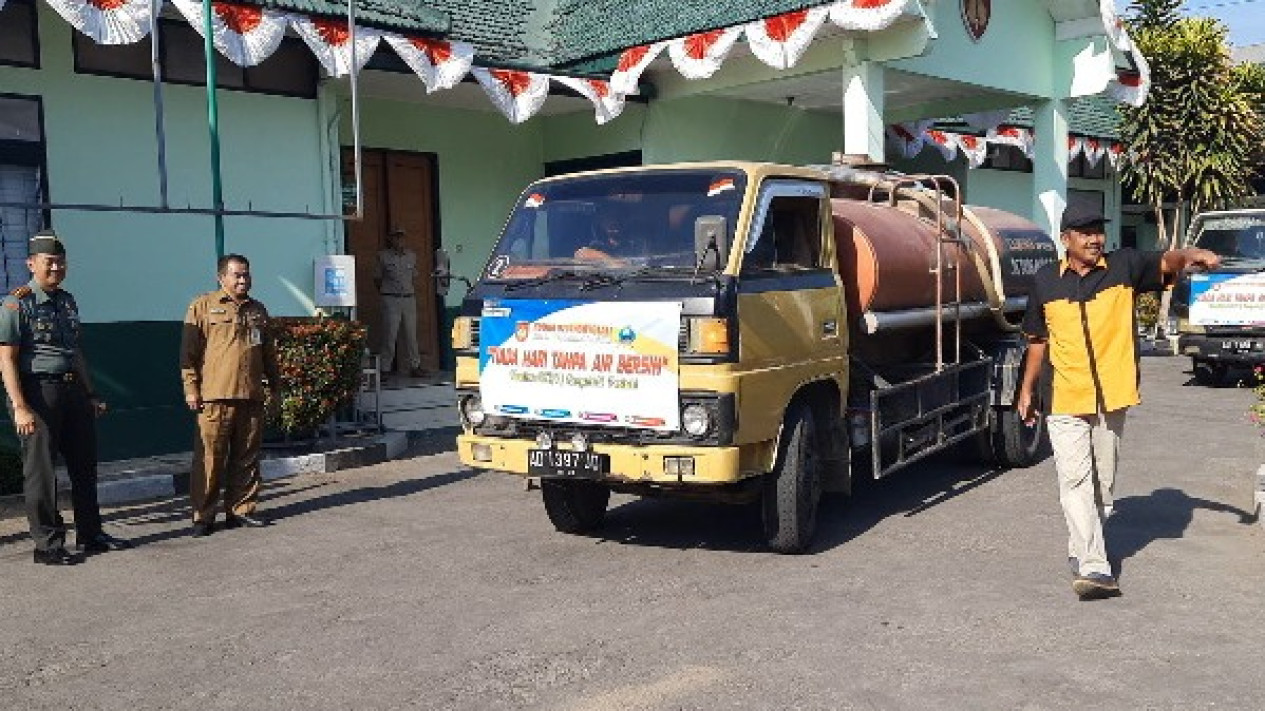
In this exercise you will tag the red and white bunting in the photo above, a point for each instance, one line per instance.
(1021, 138)
(974, 148)
(330, 41)
(1117, 32)
(519, 95)
(699, 56)
(908, 139)
(107, 21)
(1094, 151)
(867, 15)
(245, 34)
(1115, 155)
(440, 64)
(945, 143)
(780, 41)
(1075, 147)
(607, 103)
(986, 121)
(632, 63)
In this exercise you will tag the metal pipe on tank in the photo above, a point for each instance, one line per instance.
(873, 322)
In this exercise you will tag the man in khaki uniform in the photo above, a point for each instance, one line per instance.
(394, 276)
(226, 355)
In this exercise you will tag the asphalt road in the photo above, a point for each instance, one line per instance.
(416, 584)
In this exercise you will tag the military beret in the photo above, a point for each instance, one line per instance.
(46, 242)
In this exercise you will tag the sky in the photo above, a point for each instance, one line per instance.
(1245, 18)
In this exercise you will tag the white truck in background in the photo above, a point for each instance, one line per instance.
(1221, 313)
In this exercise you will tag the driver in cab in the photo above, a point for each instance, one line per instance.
(613, 241)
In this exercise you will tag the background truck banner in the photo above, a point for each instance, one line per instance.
(610, 364)
(1227, 299)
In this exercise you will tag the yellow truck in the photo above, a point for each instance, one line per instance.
(741, 333)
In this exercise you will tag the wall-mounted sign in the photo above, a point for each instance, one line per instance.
(975, 15)
(335, 279)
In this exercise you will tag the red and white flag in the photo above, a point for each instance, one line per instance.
(440, 64)
(780, 41)
(1115, 155)
(632, 63)
(1131, 87)
(1075, 147)
(107, 21)
(607, 103)
(245, 34)
(699, 56)
(1093, 150)
(974, 148)
(519, 95)
(908, 139)
(1021, 138)
(330, 41)
(867, 15)
(945, 143)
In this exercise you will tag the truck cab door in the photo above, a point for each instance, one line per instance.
(790, 303)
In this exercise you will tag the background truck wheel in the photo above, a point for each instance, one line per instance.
(793, 491)
(1007, 442)
(1208, 373)
(574, 506)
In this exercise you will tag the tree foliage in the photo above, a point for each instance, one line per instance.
(1197, 140)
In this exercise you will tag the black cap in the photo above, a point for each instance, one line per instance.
(45, 242)
(1075, 217)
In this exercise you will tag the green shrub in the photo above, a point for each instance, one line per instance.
(1256, 413)
(319, 364)
(1148, 308)
(10, 472)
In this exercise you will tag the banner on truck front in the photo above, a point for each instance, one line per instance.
(1227, 299)
(607, 363)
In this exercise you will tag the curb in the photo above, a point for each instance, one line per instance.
(1260, 495)
(168, 480)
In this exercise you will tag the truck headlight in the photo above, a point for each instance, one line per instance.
(472, 410)
(696, 420)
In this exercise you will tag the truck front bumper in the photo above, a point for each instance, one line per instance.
(634, 464)
(1246, 349)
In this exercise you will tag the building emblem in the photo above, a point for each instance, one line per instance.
(975, 15)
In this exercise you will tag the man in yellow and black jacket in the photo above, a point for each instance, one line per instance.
(1081, 314)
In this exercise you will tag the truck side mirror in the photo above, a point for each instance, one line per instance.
(711, 242)
(443, 272)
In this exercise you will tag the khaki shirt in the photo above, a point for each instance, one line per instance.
(396, 271)
(226, 351)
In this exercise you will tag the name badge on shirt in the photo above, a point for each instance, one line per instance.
(256, 337)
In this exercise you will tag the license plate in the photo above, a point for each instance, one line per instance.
(559, 462)
(1237, 345)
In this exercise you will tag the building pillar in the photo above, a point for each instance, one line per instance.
(863, 127)
(1049, 164)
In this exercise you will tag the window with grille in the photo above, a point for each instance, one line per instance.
(21, 183)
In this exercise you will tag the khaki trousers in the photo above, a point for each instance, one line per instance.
(1086, 450)
(226, 452)
(397, 310)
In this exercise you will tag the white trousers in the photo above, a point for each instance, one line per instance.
(1086, 450)
(397, 310)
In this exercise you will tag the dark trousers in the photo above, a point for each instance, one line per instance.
(64, 424)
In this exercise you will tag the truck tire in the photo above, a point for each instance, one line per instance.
(574, 506)
(1208, 373)
(792, 492)
(1007, 442)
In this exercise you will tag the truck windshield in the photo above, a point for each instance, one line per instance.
(1233, 237)
(614, 223)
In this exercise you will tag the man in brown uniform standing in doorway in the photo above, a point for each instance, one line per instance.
(226, 355)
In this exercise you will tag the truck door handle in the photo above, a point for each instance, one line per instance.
(830, 328)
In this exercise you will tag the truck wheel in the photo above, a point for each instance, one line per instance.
(1208, 373)
(1007, 442)
(793, 490)
(574, 506)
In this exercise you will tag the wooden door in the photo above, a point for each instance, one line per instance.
(399, 191)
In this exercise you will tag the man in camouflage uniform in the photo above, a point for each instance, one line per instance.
(53, 405)
(226, 359)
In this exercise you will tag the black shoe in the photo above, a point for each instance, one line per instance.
(239, 520)
(103, 543)
(202, 529)
(1095, 586)
(56, 556)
